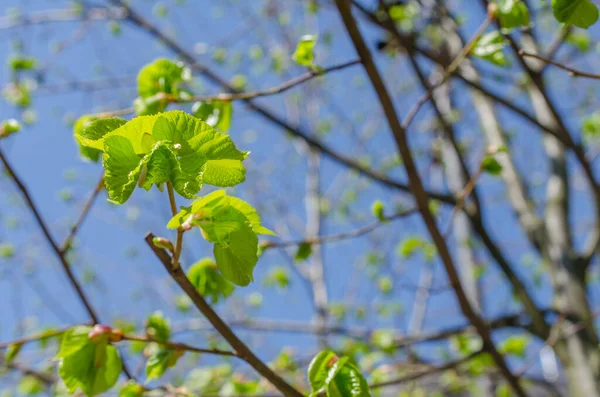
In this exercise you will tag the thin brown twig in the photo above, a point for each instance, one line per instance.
(42, 224)
(66, 245)
(59, 254)
(447, 73)
(432, 371)
(180, 346)
(240, 347)
(344, 235)
(573, 72)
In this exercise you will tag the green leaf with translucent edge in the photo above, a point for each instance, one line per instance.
(348, 382)
(204, 275)
(158, 327)
(93, 367)
(87, 153)
(131, 389)
(581, 13)
(171, 147)
(216, 201)
(490, 47)
(159, 77)
(160, 359)
(304, 54)
(513, 14)
(337, 377)
(216, 113)
(231, 224)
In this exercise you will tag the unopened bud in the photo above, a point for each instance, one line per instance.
(163, 243)
(492, 10)
(9, 127)
(99, 332)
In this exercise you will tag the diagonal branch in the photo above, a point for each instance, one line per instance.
(421, 196)
(240, 347)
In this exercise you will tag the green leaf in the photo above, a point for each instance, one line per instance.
(409, 246)
(9, 127)
(160, 359)
(515, 345)
(377, 209)
(490, 165)
(93, 367)
(238, 256)
(208, 281)
(29, 385)
(12, 351)
(21, 62)
(318, 369)
(581, 13)
(304, 252)
(160, 77)
(304, 54)
(87, 153)
(131, 389)
(490, 47)
(231, 224)
(513, 14)
(338, 377)
(171, 147)
(348, 382)
(158, 327)
(216, 114)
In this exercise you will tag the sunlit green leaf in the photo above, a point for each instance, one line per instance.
(581, 13)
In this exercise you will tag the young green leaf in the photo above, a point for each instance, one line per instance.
(513, 14)
(490, 47)
(171, 147)
(131, 389)
(29, 385)
(204, 275)
(158, 327)
(490, 165)
(232, 225)
(87, 153)
(12, 351)
(21, 62)
(92, 366)
(9, 127)
(337, 377)
(378, 210)
(581, 13)
(304, 252)
(160, 359)
(304, 54)
(217, 114)
(161, 77)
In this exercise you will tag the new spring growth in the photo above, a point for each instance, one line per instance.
(101, 333)
(164, 243)
(9, 127)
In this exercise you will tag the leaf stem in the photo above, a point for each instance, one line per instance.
(179, 241)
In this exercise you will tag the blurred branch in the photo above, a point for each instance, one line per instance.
(60, 255)
(42, 224)
(572, 71)
(179, 346)
(419, 193)
(66, 245)
(344, 235)
(63, 15)
(347, 161)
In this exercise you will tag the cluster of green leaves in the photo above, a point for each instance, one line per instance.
(172, 147)
(232, 226)
(91, 364)
(159, 83)
(336, 377)
(160, 358)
